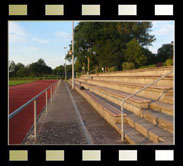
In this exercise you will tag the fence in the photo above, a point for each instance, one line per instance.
(52, 88)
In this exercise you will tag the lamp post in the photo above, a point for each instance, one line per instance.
(65, 65)
(172, 43)
(72, 54)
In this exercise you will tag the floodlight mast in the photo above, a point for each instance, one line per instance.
(65, 64)
(72, 54)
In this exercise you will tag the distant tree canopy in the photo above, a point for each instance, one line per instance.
(165, 52)
(38, 68)
(108, 44)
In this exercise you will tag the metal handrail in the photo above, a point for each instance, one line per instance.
(26, 104)
(93, 70)
(140, 90)
(125, 99)
(54, 85)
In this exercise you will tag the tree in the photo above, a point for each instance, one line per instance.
(134, 53)
(19, 65)
(165, 52)
(41, 62)
(151, 58)
(40, 68)
(12, 66)
(58, 70)
(23, 72)
(12, 69)
(108, 41)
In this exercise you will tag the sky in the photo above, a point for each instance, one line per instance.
(31, 40)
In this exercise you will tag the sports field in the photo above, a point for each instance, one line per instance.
(19, 95)
(17, 82)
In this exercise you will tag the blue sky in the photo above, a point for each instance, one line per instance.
(31, 40)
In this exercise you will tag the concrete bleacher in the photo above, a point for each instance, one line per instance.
(148, 116)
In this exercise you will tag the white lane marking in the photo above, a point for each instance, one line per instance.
(86, 133)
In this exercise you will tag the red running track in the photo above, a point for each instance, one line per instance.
(21, 123)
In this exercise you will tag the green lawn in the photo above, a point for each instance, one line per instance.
(17, 82)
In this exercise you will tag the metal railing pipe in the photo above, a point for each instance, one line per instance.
(26, 104)
(35, 118)
(34, 99)
(140, 90)
(46, 101)
(93, 70)
(51, 93)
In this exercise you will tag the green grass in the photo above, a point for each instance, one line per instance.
(17, 82)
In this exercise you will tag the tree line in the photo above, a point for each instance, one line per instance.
(36, 69)
(110, 44)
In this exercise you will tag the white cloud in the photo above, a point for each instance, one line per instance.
(33, 48)
(40, 41)
(64, 36)
(16, 33)
(163, 28)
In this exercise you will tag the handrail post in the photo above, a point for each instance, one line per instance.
(46, 101)
(35, 118)
(122, 120)
(51, 93)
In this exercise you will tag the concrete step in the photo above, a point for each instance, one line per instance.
(153, 92)
(156, 126)
(132, 136)
(167, 81)
(162, 107)
(155, 71)
(167, 99)
(143, 126)
(158, 118)
(151, 131)
(116, 94)
(110, 114)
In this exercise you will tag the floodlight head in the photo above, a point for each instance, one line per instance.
(70, 52)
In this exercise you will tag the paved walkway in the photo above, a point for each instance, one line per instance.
(71, 120)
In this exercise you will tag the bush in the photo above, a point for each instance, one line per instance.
(169, 62)
(111, 69)
(128, 65)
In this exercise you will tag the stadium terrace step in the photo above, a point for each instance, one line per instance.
(109, 113)
(154, 71)
(151, 131)
(167, 81)
(153, 92)
(162, 107)
(116, 94)
(158, 118)
(139, 130)
(132, 136)
(168, 97)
